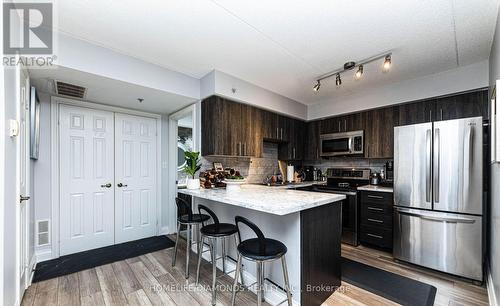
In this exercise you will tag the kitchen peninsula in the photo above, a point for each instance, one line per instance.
(309, 224)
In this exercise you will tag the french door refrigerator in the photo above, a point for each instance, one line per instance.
(438, 201)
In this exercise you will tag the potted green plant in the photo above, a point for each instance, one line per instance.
(191, 167)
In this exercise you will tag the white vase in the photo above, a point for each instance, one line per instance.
(193, 183)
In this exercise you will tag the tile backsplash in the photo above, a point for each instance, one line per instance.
(255, 170)
(374, 164)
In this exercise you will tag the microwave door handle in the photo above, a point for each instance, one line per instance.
(351, 149)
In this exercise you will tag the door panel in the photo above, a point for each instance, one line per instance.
(86, 166)
(458, 171)
(446, 242)
(412, 166)
(135, 209)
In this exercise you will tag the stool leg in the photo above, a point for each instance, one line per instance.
(224, 255)
(235, 283)
(200, 250)
(188, 249)
(176, 243)
(236, 247)
(287, 283)
(262, 280)
(259, 283)
(213, 248)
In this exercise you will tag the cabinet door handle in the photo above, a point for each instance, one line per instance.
(374, 208)
(339, 126)
(375, 220)
(375, 197)
(245, 149)
(375, 236)
(345, 125)
(281, 133)
(293, 152)
(277, 133)
(441, 113)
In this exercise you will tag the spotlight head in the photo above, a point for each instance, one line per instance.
(359, 73)
(317, 86)
(387, 62)
(338, 80)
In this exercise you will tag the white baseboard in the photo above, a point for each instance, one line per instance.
(43, 255)
(31, 269)
(272, 297)
(490, 287)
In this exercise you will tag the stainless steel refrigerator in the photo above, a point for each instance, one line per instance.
(438, 185)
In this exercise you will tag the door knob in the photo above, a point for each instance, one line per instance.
(121, 185)
(108, 185)
(23, 198)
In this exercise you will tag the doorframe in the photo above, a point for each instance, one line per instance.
(195, 110)
(54, 175)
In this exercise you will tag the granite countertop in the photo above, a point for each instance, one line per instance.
(273, 200)
(376, 188)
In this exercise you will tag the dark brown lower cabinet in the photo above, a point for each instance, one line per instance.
(376, 219)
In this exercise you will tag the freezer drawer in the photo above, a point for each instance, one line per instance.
(446, 242)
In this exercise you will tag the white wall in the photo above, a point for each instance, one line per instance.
(222, 84)
(3, 118)
(9, 201)
(80, 55)
(494, 256)
(43, 166)
(447, 82)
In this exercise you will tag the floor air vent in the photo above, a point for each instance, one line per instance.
(70, 90)
(42, 232)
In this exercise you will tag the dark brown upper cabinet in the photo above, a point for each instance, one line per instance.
(416, 112)
(229, 128)
(292, 146)
(311, 143)
(460, 106)
(379, 132)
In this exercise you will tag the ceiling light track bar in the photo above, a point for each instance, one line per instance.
(356, 64)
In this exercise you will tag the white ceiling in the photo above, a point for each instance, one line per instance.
(284, 45)
(110, 91)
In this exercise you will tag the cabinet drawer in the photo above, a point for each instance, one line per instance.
(376, 197)
(376, 219)
(380, 237)
(376, 208)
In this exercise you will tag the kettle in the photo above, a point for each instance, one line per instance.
(375, 179)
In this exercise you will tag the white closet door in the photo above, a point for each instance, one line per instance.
(86, 178)
(135, 173)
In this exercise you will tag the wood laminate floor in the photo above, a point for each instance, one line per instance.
(150, 280)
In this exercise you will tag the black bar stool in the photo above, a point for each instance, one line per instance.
(190, 220)
(260, 250)
(213, 232)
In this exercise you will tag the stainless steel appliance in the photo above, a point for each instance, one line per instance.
(341, 144)
(438, 185)
(345, 181)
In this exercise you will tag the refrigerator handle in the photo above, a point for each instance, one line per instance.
(436, 165)
(434, 218)
(428, 165)
(468, 151)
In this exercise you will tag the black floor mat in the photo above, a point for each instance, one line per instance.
(89, 259)
(397, 288)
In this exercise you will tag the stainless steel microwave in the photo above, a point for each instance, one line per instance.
(341, 144)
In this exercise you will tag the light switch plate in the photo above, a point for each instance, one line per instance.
(13, 128)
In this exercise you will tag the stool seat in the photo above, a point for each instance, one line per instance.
(196, 218)
(219, 230)
(272, 249)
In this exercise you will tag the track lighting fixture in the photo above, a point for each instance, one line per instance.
(387, 62)
(351, 65)
(359, 73)
(317, 86)
(338, 80)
